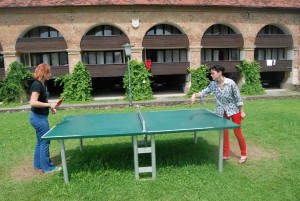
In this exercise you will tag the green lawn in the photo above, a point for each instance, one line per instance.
(185, 171)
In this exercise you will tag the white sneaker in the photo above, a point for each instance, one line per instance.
(56, 169)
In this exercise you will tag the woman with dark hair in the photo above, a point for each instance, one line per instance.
(229, 105)
(39, 118)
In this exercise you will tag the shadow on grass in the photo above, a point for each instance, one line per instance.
(119, 156)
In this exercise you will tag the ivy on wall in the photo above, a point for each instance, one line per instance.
(139, 81)
(199, 79)
(251, 72)
(77, 86)
(12, 89)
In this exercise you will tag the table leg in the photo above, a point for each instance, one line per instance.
(81, 144)
(135, 156)
(63, 160)
(195, 137)
(221, 140)
(153, 156)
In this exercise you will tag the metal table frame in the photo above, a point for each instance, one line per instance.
(140, 150)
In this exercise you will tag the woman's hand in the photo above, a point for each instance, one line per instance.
(52, 108)
(193, 98)
(243, 115)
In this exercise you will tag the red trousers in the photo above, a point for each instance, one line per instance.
(236, 118)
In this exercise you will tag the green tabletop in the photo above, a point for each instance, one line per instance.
(128, 124)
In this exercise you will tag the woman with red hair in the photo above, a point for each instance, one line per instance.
(39, 118)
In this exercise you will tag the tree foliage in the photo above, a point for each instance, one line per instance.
(77, 86)
(251, 72)
(199, 79)
(12, 89)
(139, 81)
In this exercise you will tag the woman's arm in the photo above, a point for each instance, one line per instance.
(35, 103)
(243, 114)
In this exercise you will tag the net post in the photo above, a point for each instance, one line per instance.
(141, 118)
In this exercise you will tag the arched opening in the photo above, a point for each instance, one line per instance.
(167, 49)
(44, 44)
(103, 54)
(222, 45)
(272, 52)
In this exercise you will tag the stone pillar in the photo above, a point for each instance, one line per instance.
(137, 53)
(296, 66)
(195, 56)
(10, 57)
(74, 56)
(248, 53)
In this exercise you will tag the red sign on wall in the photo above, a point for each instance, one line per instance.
(148, 64)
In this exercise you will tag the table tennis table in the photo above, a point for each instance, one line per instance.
(136, 124)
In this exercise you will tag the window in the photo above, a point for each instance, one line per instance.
(53, 59)
(235, 54)
(42, 32)
(219, 29)
(176, 57)
(270, 29)
(221, 54)
(173, 55)
(100, 57)
(103, 57)
(118, 57)
(269, 54)
(104, 30)
(163, 29)
(1, 61)
(109, 59)
(92, 58)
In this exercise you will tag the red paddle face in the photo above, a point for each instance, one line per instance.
(59, 102)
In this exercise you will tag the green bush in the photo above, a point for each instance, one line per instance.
(77, 85)
(12, 89)
(139, 82)
(199, 79)
(251, 72)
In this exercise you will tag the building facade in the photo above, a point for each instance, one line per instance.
(173, 37)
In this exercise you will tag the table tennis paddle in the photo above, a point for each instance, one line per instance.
(58, 103)
(53, 110)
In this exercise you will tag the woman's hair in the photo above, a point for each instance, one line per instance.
(41, 70)
(218, 68)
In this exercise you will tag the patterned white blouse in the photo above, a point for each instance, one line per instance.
(228, 98)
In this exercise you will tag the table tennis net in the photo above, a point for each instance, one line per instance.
(141, 118)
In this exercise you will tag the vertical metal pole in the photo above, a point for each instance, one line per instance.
(135, 156)
(129, 87)
(195, 137)
(153, 156)
(221, 140)
(63, 160)
(81, 145)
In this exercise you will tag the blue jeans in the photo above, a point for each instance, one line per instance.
(41, 154)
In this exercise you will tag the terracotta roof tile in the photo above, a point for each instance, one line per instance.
(294, 4)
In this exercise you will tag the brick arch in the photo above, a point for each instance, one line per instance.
(103, 42)
(166, 41)
(218, 40)
(274, 40)
(39, 44)
(29, 28)
(103, 24)
(167, 23)
(282, 27)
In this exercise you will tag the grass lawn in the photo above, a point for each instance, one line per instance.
(185, 171)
